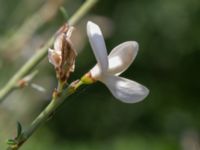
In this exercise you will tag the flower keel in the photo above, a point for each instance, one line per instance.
(125, 90)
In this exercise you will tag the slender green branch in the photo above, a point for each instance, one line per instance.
(31, 24)
(58, 96)
(25, 69)
(82, 11)
(56, 101)
(42, 52)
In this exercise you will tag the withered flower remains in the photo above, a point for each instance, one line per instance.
(63, 55)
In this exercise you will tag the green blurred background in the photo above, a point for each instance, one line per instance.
(168, 32)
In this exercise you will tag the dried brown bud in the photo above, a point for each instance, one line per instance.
(63, 55)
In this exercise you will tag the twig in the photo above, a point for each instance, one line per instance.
(42, 52)
(25, 69)
(31, 24)
(26, 80)
(58, 96)
(56, 101)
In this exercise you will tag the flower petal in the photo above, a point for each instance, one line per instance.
(98, 45)
(59, 42)
(54, 57)
(122, 56)
(125, 90)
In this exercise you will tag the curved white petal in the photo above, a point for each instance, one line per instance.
(98, 45)
(119, 59)
(125, 90)
(122, 56)
(54, 57)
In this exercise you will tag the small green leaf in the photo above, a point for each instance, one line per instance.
(19, 129)
(11, 142)
(64, 12)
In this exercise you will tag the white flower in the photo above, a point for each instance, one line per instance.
(108, 68)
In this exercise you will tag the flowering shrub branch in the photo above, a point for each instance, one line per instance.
(42, 52)
(58, 96)
(62, 56)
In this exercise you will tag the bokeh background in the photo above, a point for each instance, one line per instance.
(168, 32)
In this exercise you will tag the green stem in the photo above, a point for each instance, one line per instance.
(42, 52)
(25, 69)
(82, 11)
(43, 116)
(56, 101)
(28, 28)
